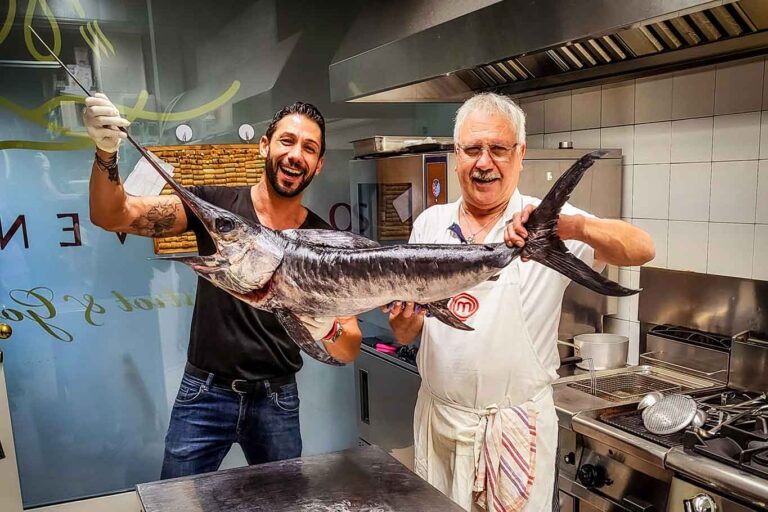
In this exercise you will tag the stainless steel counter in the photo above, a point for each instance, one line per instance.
(355, 479)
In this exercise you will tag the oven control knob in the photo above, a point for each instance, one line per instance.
(570, 458)
(700, 503)
(591, 475)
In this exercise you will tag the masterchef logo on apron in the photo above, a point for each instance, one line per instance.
(463, 306)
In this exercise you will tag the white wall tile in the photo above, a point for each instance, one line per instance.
(739, 86)
(627, 177)
(658, 230)
(535, 141)
(765, 85)
(650, 191)
(625, 328)
(693, 93)
(616, 326)
(689, 191)
(764, 134)
(687, 249)
(692, 140)
(730, 250)
(633, 354)
(762, 193)
(585, 108)
(734, 191)
(586, 138)
(634, 283)
(760, 259)
(627, 306)
(653, 142)
(557, 113)
(623, 306)
(534, 116)
(553, 140)
(653, 99)
(622, 137)
(737, 137)
(618, 104)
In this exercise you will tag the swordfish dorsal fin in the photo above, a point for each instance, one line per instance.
(300, 335)
(329, 238)
(545, 247)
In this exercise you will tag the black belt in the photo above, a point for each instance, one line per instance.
(241, 385)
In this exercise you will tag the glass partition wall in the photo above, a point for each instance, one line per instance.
(100, 328)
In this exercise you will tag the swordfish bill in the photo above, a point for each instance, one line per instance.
(324, 273)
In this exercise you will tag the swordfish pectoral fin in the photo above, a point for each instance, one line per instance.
(552, 252)
(300, 335)
(439, 309)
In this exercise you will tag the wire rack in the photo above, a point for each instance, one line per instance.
(623, 387)
(632, 422)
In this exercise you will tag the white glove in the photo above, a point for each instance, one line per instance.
(102, 119)
(318, 327)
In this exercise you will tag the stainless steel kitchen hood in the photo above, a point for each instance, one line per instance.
(406, 51)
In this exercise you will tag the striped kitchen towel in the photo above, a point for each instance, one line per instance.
(507, 463)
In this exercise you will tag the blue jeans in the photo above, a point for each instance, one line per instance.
(206, 420)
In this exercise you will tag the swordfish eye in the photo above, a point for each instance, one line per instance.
(224, 225)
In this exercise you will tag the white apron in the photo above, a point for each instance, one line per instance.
(469, 378)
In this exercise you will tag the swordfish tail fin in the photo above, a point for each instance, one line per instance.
(545, 247)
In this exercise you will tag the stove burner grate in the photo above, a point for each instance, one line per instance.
(761, 458)
(738, 448)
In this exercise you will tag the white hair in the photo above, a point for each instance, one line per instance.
(493, 104)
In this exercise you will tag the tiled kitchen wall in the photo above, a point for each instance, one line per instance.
(695, 147)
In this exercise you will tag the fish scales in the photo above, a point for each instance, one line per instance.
(348, 282)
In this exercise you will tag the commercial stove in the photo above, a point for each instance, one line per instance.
(610, 461)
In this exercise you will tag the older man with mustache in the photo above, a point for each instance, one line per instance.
(239, 383)
(485, 425)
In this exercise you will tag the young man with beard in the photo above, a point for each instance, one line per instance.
(239, 383)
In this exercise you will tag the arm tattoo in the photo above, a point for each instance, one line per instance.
(158, 221)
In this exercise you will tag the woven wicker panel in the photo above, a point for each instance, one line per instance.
(230, 165)
(390, 225)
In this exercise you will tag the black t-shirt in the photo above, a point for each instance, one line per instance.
(228, 337)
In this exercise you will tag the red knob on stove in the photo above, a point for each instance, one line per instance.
(591, 475)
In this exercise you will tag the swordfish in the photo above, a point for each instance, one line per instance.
(325, 273)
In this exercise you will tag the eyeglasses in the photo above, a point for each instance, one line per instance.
(498, 152)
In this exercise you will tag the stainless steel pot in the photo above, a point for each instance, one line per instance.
(607, 351)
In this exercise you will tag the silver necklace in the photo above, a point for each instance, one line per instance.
(471, 238)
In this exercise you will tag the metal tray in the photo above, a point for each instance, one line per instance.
(385, 145)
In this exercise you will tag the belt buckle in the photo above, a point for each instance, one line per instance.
(234, 385)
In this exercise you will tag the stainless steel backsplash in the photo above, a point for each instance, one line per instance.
(718, 304)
